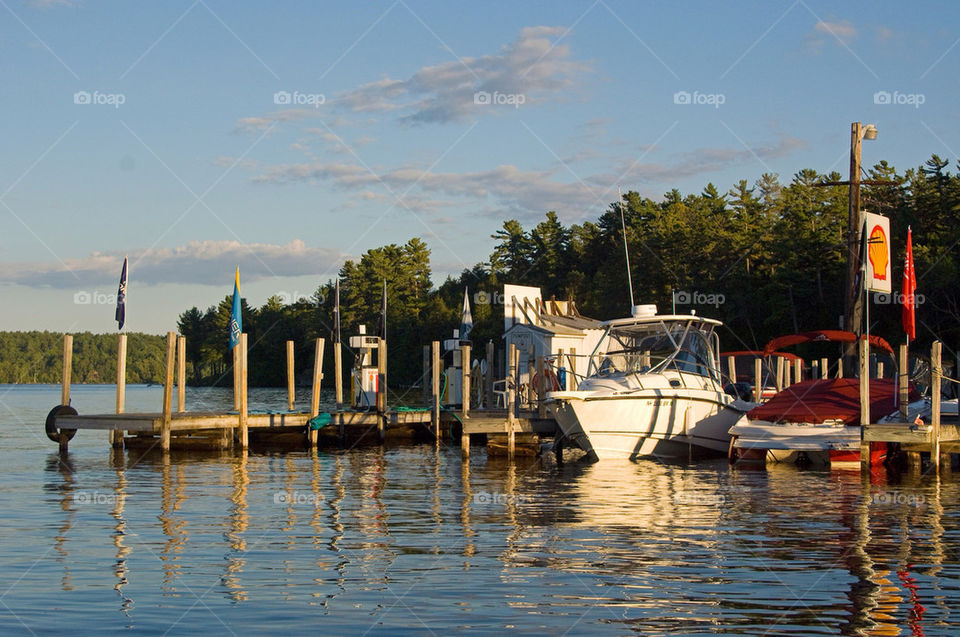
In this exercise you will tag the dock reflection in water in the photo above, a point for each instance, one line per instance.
(412, 539)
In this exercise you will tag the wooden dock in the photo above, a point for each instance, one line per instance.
(169, 427)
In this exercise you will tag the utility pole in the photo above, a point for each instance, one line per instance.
(853, 301)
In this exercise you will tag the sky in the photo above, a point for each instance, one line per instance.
(199, 136)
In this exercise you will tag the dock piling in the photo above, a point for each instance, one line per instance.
(338, 375)
(381, 388)
(757, 380)
(936, 373)
(435, 389)
(465, 391)
(863, 351)
(244, 440)
(488, 378)
(116, 435)
(313, 434)
(168, 392)
(426, 374)
(903, 380)
(67, 369)
(181, 374)
(512, 375)
(291, 387)
(541, 387)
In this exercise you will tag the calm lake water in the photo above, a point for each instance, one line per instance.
(411, 540)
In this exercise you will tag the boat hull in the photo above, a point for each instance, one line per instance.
(834, 445)
(646, 423)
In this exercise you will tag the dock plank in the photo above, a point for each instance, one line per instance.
(909, 433)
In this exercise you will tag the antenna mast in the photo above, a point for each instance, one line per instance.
(626, 253)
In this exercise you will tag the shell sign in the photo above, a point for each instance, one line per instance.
(877, 236)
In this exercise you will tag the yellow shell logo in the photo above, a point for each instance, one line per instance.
(878, 253)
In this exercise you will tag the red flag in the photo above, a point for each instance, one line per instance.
(909, 290)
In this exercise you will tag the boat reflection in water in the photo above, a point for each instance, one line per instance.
(663, 547)
(645, 546)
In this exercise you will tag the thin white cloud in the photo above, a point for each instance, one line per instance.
(883, 34)
(508, 190)
(531, 67)
(199, 262)
(837, 31)
(260, 124)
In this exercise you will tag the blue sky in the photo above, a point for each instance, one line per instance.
(196, 136)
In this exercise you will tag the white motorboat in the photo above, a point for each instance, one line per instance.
(656, 390)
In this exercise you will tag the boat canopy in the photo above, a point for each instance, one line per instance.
(817, 401)
(838, 336)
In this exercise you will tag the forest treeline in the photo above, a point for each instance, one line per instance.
(37, 357)
(767, 258)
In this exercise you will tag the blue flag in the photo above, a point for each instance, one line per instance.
(466, 318)
(236, 321)
(121, 314)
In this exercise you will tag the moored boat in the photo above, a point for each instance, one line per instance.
(815, 421)
(656, 390)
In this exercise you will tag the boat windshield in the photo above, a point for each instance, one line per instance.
(657, 348)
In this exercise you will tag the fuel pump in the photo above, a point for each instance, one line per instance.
(364, 376)
(454, 371)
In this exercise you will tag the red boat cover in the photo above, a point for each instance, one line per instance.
(815, 401)
(822, 335)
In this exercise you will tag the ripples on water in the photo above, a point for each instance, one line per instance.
(411, 540)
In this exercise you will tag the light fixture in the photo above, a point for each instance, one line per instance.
(869, 131)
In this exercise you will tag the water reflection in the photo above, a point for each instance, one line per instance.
(645, 546)
(60, 464)
(236, 534)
